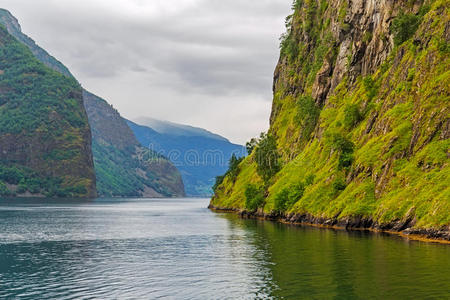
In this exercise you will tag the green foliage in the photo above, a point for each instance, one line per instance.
(367, 37)
(289, 46)
(287, 197)
(404, 26)
(309, 179)
(308, 115)
(232, 173)
(28, 180)
(233, 169)
(254, 197)
(339, 184)
(267, 157)
(345, 147)
(352, 116)
(281, 199)
(4, 191)
(370, 86)
(251, 145)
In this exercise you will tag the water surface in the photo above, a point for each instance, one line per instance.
(178, 249)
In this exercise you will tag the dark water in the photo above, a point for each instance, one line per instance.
(177, 249)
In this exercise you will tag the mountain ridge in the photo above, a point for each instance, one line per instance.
(177, 129)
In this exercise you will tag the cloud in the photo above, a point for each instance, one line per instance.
(208, 63)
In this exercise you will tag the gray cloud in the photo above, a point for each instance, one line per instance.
(208, 63)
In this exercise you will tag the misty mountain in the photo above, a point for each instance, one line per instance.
(199, 154)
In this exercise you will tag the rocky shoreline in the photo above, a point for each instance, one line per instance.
(403, 228)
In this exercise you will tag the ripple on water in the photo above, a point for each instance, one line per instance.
(179, 250)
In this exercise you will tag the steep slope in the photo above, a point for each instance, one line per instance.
(360, 120)
(123, 166)
(121, 170)
(45, 140)
(200, 155)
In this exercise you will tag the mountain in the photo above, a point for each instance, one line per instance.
(359, 130)
(174, 129)
(199, 154)
(123, 167)
(45, 141)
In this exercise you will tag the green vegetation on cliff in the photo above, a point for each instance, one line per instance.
(44, 132)
(360, 117)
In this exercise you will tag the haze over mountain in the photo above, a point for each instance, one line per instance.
(199, 154)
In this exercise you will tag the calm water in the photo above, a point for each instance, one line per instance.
(177, 249)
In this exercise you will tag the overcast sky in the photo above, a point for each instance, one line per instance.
(207, 63)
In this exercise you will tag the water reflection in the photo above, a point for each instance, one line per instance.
(311, 263)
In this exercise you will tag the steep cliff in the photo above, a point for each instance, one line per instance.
(360, 120)
(45, 140)
(122, 166)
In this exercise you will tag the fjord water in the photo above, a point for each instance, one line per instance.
(178, 249)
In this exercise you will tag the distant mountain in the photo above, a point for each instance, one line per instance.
(174, 129)
(45, 140)
(122, 166)
(199, 154)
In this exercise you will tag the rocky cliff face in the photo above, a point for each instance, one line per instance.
(360, 116)
(45, 140)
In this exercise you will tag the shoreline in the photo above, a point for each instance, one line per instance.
(353, 224)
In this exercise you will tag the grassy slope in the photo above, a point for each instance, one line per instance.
(400, 163)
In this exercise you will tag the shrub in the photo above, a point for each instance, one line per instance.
(287, 197)
(267, 157)
(251, 145)
(404, 26)
(281, 199)
(307, 115)
(339, 184)
(370, 86)
(219, 181)
(309, 179)
(296, 193)
(352, 116)
(4, 191)
(254, 197)
(233, 171)
(345, 147)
